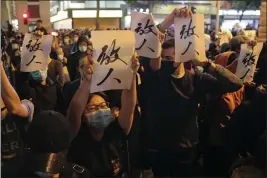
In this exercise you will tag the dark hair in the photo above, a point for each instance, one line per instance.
(169, 44)
(236, 42)
(101, 94)
(39, 21)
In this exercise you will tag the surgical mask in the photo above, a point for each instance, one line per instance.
(66, 41)
(39, 75)
(99, 119)
(60, 57)
(75, 39)
(86, 36)
(11, 39)
(82, 48)
(15, 46)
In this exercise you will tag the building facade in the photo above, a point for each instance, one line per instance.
(82, 14)
(34, 8)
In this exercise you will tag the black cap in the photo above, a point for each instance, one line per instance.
(49, 132)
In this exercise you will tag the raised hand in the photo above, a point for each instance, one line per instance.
(135, 63)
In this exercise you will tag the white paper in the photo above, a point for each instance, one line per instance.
(247, 61)
(121, 77)
(39, 62)
(147, 42)
(251, 34)
(197, 48)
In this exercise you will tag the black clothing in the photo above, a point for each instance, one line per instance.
(72, 65)
(13, 139)
(171, 116)
(108, 158)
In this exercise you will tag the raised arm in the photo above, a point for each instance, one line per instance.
(128, 100)
(11, 98)
(79, 100)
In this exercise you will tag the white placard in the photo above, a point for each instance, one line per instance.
(189, 38)
(247, 61)
(112, 68)
(146, 35)
(35, 52)
(251, 34)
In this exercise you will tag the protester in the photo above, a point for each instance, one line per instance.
(39, 28)
(173, 88)
(48, 138)
(105, 138)
(55, 72)
(75, 42)
(73, 59)
(16, 116)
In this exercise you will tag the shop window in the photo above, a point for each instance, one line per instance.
(34, 11)
(33, 0)
(82, 1)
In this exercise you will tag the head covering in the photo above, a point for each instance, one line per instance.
(49, 132)
(225, 47)
(82, 39)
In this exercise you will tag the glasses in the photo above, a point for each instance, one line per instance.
(95, 107)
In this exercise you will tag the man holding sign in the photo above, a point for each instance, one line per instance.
(175, 93)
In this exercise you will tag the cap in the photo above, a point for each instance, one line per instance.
(49, 132)
(82, 39)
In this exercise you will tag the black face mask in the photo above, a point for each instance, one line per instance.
(51, 163)
(167, 66)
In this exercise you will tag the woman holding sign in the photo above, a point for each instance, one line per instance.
(101, 145)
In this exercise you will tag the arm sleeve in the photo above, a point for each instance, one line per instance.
(30, 108)
(220, 82)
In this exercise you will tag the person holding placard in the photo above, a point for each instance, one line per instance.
(175, 93)
(104, 149)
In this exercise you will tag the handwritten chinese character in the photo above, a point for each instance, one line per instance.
(34, 47)
(33, 57)
(249, 59)
(107, 57)
(111, 54)
(189, 32)
(146, 30)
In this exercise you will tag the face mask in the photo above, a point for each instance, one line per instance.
(11, 39)
(86, 37)
(99, 119)
(39, 75)
(75, 39)
(66, 41)
(15, 46)
(168, 66)
(82, 48)
(60, 57)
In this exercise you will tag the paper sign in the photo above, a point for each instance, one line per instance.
(251, 34)
(247, 61)
(146, 35)
(189, 38)
(113, 51)
(35, 52)
(207, 41)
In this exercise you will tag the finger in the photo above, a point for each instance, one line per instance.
(91, 69)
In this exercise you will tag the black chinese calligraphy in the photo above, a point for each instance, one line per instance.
(148, 28)
(111, 56)
(34, 47)
(189, 44)
(106, 77)
(244, 76)
(108, 56)
(145, 40)
(249, 59)
(33, 57)
(188, 32)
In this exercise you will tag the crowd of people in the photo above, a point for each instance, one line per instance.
(193, 119)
